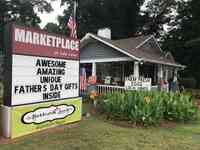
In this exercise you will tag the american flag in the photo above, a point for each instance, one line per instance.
(83, 83)
(72, 26)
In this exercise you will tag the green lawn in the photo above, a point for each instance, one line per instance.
(95, 134)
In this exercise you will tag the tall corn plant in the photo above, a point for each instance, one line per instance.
(180, 107)
(149, 108)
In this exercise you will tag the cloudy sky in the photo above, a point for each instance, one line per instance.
(58, 10)
(52, 17)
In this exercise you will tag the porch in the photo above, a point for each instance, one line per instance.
(111, 75)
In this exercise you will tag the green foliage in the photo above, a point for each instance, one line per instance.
(180, 107)
(52, 28)
(148, 108)
(157, 14)
(23, 12)
(119, 15)
(183, 39)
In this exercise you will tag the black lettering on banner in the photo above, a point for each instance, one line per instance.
(51, 95)
(69, 86)
(16, 89)
(38, 63)
(54, 87)
(22, 89)
(50, 71)
(44, 88)
(50, 79)
(50, 63)
(50, 74)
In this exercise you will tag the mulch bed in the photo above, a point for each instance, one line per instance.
(168, 124)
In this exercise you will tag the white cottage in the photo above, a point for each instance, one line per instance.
(111, 61)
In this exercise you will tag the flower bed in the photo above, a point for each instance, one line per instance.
(148, 108)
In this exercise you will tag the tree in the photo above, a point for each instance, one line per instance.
(52, 27)
(22, 12)
(119, 15)
(156, 14)
(181, 40)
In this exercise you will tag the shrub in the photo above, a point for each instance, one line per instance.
(145, 108)
(180, 107)
(148, 108)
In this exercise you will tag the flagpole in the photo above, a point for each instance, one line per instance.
(75, 11)
(75, 8)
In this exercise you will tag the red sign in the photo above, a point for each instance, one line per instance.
(29, 41)
(92, 80)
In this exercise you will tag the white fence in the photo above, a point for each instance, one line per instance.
(109, 89)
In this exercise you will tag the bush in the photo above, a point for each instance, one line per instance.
(148, 108)
(180, 107)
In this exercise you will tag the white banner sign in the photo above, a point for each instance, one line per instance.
(132, 83)
(40, 79)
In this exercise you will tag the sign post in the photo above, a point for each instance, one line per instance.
(41, 81)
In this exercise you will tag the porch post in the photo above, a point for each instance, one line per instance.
(175, 74)
(166, 78)
(174, 84)
(166, 74)
(160, 77)
(94, 69)
(123, 73)
(176, 71)
(160, 72)
(136, 73)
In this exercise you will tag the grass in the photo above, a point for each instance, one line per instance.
(95, 134)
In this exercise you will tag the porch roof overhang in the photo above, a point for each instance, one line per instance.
(106, 60)
(133, 54)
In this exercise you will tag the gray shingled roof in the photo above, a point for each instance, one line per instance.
(130, 46)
